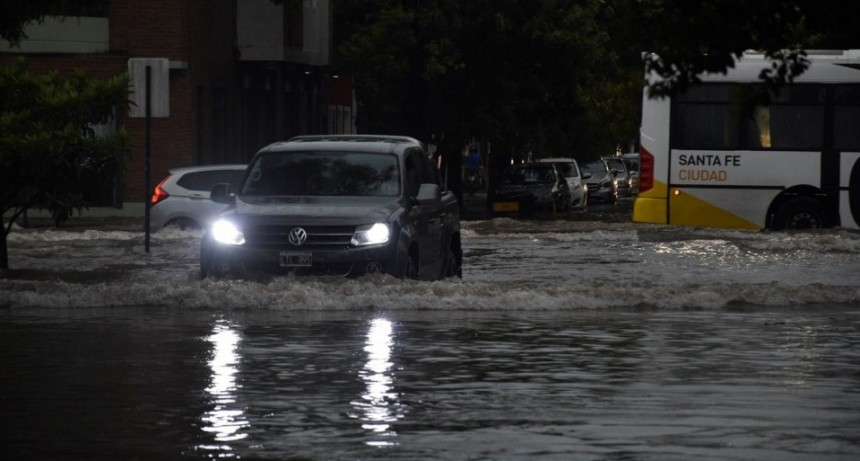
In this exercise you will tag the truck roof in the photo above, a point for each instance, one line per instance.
(356, 142)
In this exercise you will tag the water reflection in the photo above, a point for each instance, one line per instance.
(379, 406)
(226, 420)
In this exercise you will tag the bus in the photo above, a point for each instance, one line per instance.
(730, 152)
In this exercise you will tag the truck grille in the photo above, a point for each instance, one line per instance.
(319, 237)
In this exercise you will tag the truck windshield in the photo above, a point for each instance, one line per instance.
(316, 173)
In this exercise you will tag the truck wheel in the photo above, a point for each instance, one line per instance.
(214, 269)
(411, 270)
(404, 265)
(453, 265)
(800, 213)
(212, 263)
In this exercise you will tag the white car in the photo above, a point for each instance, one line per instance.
(622, 175)
(575, 180)
(182, 198)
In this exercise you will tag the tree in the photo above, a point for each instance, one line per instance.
(516, 75)
(559, 76)
(48, 144)
(685, 38)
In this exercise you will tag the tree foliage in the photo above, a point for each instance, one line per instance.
(685, 38)
(517, 74)
(48, 142)
(554, 76)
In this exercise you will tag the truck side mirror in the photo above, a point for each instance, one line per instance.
(429, 194)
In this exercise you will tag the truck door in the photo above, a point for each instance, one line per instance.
(427, 219)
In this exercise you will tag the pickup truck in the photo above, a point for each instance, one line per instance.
(345, 205)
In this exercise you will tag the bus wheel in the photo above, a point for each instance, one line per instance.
(800, 213)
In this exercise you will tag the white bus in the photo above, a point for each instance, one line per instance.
(717, 156)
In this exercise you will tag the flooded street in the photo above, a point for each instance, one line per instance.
(569, 339)
(161, 383)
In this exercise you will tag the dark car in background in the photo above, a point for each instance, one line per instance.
(530, 187)
(602, 186)
(623, 178)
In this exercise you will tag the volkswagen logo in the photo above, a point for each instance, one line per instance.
(297, 236)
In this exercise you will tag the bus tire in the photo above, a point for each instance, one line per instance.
(800, 213)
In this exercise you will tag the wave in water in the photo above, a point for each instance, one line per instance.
(385, 293)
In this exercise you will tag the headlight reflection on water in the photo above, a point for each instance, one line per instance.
(226, 420)
(378, 406)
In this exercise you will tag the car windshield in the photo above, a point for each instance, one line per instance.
(596, 166)
(617, 164)
(567, 169)
(632, 165)
(530, 174)
(359, 174)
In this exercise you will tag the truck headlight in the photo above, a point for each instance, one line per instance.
(370, 234)
(225, 232)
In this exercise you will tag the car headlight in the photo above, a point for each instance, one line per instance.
(227, 233)
(371, 234)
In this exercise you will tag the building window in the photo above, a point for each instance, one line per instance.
(293, 23)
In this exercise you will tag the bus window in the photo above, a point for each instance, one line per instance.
(785, 127)
(793, 119)
(846, 118)
(762, 126)
(704, 117)
(704, 125)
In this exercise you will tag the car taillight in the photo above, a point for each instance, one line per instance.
(159, 193)
(646, 170)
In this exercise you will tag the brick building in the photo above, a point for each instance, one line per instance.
(241, 73)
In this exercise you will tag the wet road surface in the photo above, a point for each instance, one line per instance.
(587, 338)
(619, 384)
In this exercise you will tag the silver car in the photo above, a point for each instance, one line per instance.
(632, 159)
(622, 175)
(575, 180)
(182, 198)
(602, 185)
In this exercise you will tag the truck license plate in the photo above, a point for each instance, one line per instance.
(296, 259)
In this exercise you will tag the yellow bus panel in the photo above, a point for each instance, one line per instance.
(650, 206)
(687, 210)
(649, 210)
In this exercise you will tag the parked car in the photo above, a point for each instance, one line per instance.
(601, 185)
(622, 175)
(526, 188)
(632, 159)
(182, 197)
(344, 205)
(575, 178)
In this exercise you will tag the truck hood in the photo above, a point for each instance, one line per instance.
(314, 210)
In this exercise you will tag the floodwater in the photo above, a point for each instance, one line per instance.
(570, 339)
